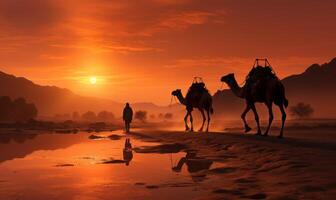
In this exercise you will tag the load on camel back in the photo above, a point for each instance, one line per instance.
(196, 90)
(256, 78)
(197, 97)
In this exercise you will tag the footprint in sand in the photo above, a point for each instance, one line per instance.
(64, 165)
(226, 191)
(139, 183)
(223, 170)
(256, 196)
(245, 180)
(152, 187)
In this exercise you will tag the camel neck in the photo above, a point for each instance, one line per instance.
(236, 89)
(181, 98)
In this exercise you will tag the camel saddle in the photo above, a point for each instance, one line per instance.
(256, 81)
(195, 92)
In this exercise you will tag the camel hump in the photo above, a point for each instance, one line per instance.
(198, 87)
(260, 72)
(196, 90)
(259, 78)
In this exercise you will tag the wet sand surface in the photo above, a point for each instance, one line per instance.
(166, 165)
(297, 167)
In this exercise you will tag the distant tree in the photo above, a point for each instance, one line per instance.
(18, 110)
(6, 105)
(105, 116)
(168, 116)
(301, 110)
(75, 115)
(89, 116)
(23, 111)
(141, 115)
(152, 116)
(31, 111)
(66, 116)
(62, 117)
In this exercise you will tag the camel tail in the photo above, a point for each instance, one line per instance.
(282, 95)
(211, 110)
(286, 102)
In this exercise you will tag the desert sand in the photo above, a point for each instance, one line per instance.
(256, 167)
(223, 164)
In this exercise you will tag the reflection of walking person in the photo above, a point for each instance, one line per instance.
(127, 152)
(127, 117)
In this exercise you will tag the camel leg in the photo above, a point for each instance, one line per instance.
(203, 115)
(283, 112)
(185, 121)
(191, 121)
(270, 111)
(208, 113)
(243, 116)
(256, 117)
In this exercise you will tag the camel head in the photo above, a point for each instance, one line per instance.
(228, 78)
(176, 92)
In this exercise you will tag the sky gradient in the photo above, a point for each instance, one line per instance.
(142, 50)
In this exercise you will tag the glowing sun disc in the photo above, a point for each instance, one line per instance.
(93, 80)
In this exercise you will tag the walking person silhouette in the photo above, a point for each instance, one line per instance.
(127, 117)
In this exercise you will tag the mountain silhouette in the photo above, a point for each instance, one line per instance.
(51, 100)
(315, 86)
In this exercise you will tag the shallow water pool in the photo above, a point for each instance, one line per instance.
(72, 166)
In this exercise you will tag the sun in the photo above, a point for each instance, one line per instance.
(93, 80)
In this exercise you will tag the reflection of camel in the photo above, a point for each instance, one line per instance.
(203, 102)
(272, 92)
(127, 152)
(194, 164)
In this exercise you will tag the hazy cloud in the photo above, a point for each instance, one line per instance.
(160, 39)
(29, 16)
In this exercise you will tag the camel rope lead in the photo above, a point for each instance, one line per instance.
(171, 100)
(175, 100)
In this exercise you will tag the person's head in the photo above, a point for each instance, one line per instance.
(127, 104)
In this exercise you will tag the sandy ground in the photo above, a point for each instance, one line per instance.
(259, 167)
(300, 166)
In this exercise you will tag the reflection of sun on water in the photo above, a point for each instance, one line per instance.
(93, 80)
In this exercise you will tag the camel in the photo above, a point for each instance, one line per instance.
(194, 164)
(274, 92)
(202, 104)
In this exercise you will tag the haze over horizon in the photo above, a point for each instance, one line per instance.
(140, 51)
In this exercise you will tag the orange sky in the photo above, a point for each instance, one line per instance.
(141, 50)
